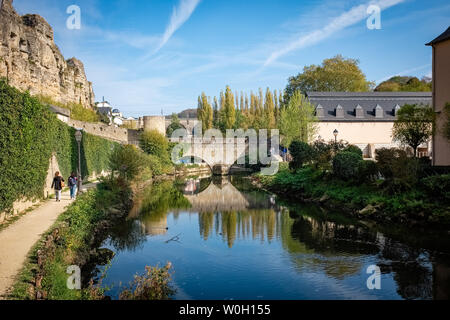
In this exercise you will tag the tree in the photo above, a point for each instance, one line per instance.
(335, 74)
(405, 83)
(298, 120)
(205, 112)
(269, 111)
(228, 113)
(174, 125)
(154, 143)
(414, 125)
(301, 153)
(216, 120)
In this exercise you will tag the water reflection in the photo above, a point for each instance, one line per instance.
(324, 255)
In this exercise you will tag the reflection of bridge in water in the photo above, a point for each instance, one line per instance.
(222, 196)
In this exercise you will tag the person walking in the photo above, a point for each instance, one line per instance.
(73, 182)
(58, 185)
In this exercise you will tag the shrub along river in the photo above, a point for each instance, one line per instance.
(226, 240)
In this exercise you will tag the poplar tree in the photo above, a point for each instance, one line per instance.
(205, 112)
(216, 120)
(297, 120)
(229, 111)
(269, 111)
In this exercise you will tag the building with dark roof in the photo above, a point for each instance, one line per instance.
(441, 97)
(364, 119)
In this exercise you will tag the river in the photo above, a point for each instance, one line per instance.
(227, 241)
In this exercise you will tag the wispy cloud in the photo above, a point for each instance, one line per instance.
(180, 15)
(346, 19)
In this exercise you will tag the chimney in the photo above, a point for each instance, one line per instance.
(359, 112)
(379, 112)
(339, 111)
(319, 111)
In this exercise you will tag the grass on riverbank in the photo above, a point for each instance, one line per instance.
(310, 184)
(44, 275)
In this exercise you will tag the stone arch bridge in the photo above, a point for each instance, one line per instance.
(220, 154)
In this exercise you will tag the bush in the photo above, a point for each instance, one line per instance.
(437, 186)
(154, 163)
(322, 154)
(301, 153)
(354, 149)
(77, 111)
(155, 284)
(367, 171)
(399, 170)
(345, 165)
(154, 143)
(127, 161)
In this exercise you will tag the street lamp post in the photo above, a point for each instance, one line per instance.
(78, 138)
(335, 132)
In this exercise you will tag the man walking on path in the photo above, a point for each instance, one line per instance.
(58, 184)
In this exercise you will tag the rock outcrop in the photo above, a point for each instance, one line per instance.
(30, 59)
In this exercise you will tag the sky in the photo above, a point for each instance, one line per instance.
(151, 56)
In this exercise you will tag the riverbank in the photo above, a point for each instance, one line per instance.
(19, 237)
(71, 241)
(415, 207)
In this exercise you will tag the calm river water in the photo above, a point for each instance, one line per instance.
(232, 242)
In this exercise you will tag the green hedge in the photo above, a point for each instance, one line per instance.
(29, 134)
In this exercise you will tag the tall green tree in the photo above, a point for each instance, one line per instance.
(298, 120)
(205, 112)
(216, 120)
(414, 125)
(228, 113)
(269, 110)
(335, 74)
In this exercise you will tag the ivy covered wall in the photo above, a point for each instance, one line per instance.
(29, 134)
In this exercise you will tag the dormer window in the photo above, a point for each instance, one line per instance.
(319, 111)
(359, 112)
(379, 112)
(339, 111)
(396, 110)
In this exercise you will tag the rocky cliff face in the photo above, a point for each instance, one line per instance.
(30, 59)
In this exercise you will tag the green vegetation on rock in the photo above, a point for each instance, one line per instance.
(29, 134)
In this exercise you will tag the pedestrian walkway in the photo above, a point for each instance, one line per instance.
(17, 239)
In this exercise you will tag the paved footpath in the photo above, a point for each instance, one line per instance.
(17, 239)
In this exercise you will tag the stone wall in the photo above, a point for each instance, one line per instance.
(30, 60)
(120, 135)
(23, 204)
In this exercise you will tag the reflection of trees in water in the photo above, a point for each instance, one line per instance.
(412, 268)
(326, 246)
(339, 248)
(148, 215)
(314, 242)
(257, 224)
(127, 236)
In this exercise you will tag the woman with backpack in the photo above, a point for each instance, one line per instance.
(58, 185)
(73, 182)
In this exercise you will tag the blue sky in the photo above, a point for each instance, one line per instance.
(153, 55)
